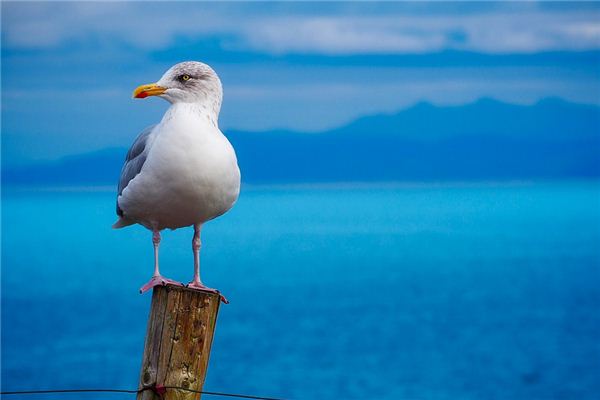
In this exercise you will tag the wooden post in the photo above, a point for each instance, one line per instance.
(178, 340)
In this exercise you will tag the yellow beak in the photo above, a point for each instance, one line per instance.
(151, 89)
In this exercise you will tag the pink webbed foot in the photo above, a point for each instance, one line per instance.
(199, 286)
(158, 280)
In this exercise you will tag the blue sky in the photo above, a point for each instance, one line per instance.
(68, 68)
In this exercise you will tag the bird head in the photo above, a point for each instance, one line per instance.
(186, 82)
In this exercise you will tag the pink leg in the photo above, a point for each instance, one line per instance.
(157, 279)
(196, 283)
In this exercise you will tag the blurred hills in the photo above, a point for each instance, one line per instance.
(484, 140)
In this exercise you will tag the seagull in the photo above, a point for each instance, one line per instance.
(182, 171)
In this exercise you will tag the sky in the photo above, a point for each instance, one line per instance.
(68, 68)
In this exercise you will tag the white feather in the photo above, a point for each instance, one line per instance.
(190, 175)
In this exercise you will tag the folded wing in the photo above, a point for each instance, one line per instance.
(134, 161)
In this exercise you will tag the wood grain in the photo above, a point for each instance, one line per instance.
(178, 341)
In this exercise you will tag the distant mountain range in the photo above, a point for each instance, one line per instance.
(485, 140)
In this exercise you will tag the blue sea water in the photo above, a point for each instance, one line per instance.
(476, 291)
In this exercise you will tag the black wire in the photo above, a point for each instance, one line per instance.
(241, 396)
(70, 391)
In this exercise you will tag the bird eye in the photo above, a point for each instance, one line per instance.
(185, 77)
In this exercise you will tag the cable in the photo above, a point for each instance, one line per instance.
(157, 389)
(69, 391)
(241, 396)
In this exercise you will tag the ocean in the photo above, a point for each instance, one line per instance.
(398, 291)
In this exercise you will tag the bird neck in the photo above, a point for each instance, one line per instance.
(202, 110)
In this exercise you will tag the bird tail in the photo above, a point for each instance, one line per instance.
(122, 223)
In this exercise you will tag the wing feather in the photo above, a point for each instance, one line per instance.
(134, 161)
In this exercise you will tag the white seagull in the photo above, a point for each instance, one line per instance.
(182, 171)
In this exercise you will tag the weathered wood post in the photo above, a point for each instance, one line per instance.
(178, 340)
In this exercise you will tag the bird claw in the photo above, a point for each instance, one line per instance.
(158, 280)
(199, 286)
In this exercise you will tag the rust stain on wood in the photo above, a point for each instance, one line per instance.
(178, 341)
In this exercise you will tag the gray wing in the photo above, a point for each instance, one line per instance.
(134, 161)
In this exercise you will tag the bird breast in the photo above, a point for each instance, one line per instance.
(191, 173)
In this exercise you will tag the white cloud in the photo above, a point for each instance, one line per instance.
(149, 26)
(342, 35)
(493, 32)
